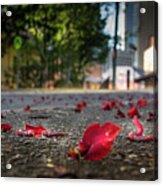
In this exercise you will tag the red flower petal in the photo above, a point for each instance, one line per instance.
(121, 103)
(36, 130)
(120, 114)
(138, 125)
(105, 106)
(80, 106)
(142, 102)
(151, 116)
(142, 138)
(27, 108)
(5, 127)
(112, 104)
(97, 140)
(138, 136)
(132, 112)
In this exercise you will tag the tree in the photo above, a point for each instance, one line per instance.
(72, 33)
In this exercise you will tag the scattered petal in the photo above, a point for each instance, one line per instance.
(138, 136)
(5, 127)
(79, 106)
(36, 130)
(112, 104)
(27, 108)
(138, 125)
(142, 138)
(120, 114)
(120, 103)
(151, 116)
(105, 106)
(142, 102)
(132, 112)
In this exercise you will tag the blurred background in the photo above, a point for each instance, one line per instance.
(90, 46)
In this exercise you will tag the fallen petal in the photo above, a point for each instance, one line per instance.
(120, 114)
(142, 138)
(142, 102)
(5, 127)
(19, 132)
(27, 108)
(138, 125)
(36, 130)
(132, 112)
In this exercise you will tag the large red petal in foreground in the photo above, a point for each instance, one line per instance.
(97, 140)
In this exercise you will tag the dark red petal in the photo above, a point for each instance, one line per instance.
(27, 108)
(142, 102)
(105, 107)
(77, 109)
(121, 103)
(5, 127)
(81, 104)
(151, 116)
(132, 112)
(112, 104)
(120, 114)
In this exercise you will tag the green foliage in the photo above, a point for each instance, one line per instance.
(70, 32)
